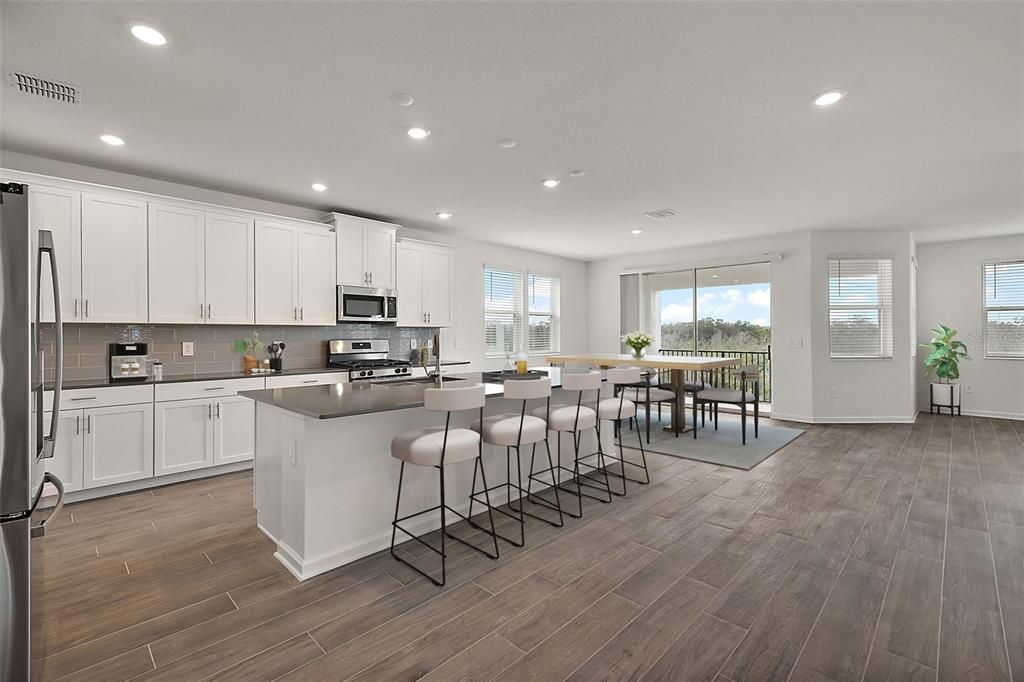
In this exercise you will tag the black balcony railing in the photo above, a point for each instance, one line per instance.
(761, 358)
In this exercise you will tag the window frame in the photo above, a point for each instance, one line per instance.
(521, 316)
(885, 311)
(985, 308)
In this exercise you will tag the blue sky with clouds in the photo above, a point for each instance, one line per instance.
(749, 302)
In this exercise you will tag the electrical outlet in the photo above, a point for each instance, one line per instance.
(291, 452)
(188, 349)
(455, 342)
(969, 388)
(835, 392)
(414, 344)
(796, 343)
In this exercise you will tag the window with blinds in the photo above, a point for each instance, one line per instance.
(503, 311)
(860, 307)
(1004, 309)
(542, 298)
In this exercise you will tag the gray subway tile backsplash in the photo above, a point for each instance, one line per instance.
(85, 345)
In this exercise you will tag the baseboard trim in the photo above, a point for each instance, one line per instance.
(847, 420)
(993, 415)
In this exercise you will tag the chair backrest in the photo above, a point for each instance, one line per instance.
(581, 381)
(527, 389)
(624, 375)
(453, 399)
(753, 372)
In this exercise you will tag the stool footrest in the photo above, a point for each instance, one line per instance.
(523, 495)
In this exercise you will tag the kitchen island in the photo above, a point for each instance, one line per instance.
(325, 481)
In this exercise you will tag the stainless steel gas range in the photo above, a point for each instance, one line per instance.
(367, 360)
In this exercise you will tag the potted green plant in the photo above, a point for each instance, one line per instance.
(249, 346)
(638, 341)
(943, 359)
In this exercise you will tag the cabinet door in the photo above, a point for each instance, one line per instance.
(118, 444)
(317, 289)
(410, 286)
(177, 264)
(60, 212)
(183, 432)
(230, 269)
(380, 255)
(114, 259)
(437, 287)
(234, 430)
(67, 463)
(351, 252)
(276, 281)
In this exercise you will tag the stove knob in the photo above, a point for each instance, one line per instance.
(398, 371)
(362, 374)
(369, 373)
(405, 370)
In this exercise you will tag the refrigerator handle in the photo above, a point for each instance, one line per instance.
(48, 478)
(48, 442)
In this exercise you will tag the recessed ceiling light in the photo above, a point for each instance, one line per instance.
(635, 230)
(827, 99)
(319, 186)
(506, 143)
(714, 276)
(577, 173)
(112, 140)
(551, 183)
(402, 99)
(735, 281)
(148, 34)
(444, 215)
(418, 133)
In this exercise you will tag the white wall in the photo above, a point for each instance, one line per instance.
(949, 291)
(791, 300)
(464, 340)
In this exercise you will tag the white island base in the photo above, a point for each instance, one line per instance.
(325, 489)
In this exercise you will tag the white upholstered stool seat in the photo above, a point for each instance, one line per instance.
(503, 429)
(608, 409)
(563, 417)
(639, 395)
(422, 447)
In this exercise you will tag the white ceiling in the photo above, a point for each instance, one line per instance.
(703, 107)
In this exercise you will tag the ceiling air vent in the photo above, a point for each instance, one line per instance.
(55, 91)
(661, 214)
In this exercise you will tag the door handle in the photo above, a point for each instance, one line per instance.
(76, 308)
(201, 310)
(209, 311)
(78, 425)
(209, 411)
(295, 313)
(88, 423)
(87, 307)
(48, 478)
(218, 410)
(48, 442)
(302, 313)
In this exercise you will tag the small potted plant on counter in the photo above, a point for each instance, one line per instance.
(944, 359)
(249, 346)
(638, 341)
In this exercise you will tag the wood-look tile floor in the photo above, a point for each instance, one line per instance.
(873, 552)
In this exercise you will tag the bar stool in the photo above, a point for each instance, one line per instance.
(514, 431)
(616, 409)
(438, 447)
(575, 419)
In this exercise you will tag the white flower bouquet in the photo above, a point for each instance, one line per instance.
(638, 341)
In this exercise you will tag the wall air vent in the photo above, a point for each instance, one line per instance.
(662, 214)
(55, 91)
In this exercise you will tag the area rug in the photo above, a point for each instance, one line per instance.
(722, 447)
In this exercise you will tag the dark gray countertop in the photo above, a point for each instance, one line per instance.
(362, 397)
(103, 382)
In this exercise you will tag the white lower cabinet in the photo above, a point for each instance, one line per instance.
(118, 444)
(183, 432)
(66, 463)
(234, 430)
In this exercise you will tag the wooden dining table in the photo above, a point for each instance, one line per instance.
(676, 364)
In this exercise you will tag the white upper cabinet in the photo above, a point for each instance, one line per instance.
(177, 264)
(60, 212)
(410, 286)
(317, 290)
(230, 269)
(115, 274)
(366, 251)
(276, 281)
(295, 278)
(425, 284)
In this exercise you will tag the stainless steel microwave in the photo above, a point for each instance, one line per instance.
(366, 304)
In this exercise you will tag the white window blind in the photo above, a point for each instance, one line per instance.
(860, 307)
(1004, 309)
(543, 311)
(503, 311)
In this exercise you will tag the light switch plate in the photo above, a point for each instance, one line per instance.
(188, 349)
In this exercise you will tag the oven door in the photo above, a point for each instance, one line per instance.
(363, 304)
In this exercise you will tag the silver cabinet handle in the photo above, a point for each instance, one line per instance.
(209, 311)
(87, 307)
(75, 400)
(209, 411)
(78, 425)
(214, 388)
(202, 308)
(302, 313)
(310, 381)
(371, 278)
(88, 423)
(76, 308)
(49, 441)
(295, 313)
(218, 410)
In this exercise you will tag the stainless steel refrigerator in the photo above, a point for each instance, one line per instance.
(24, 447)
